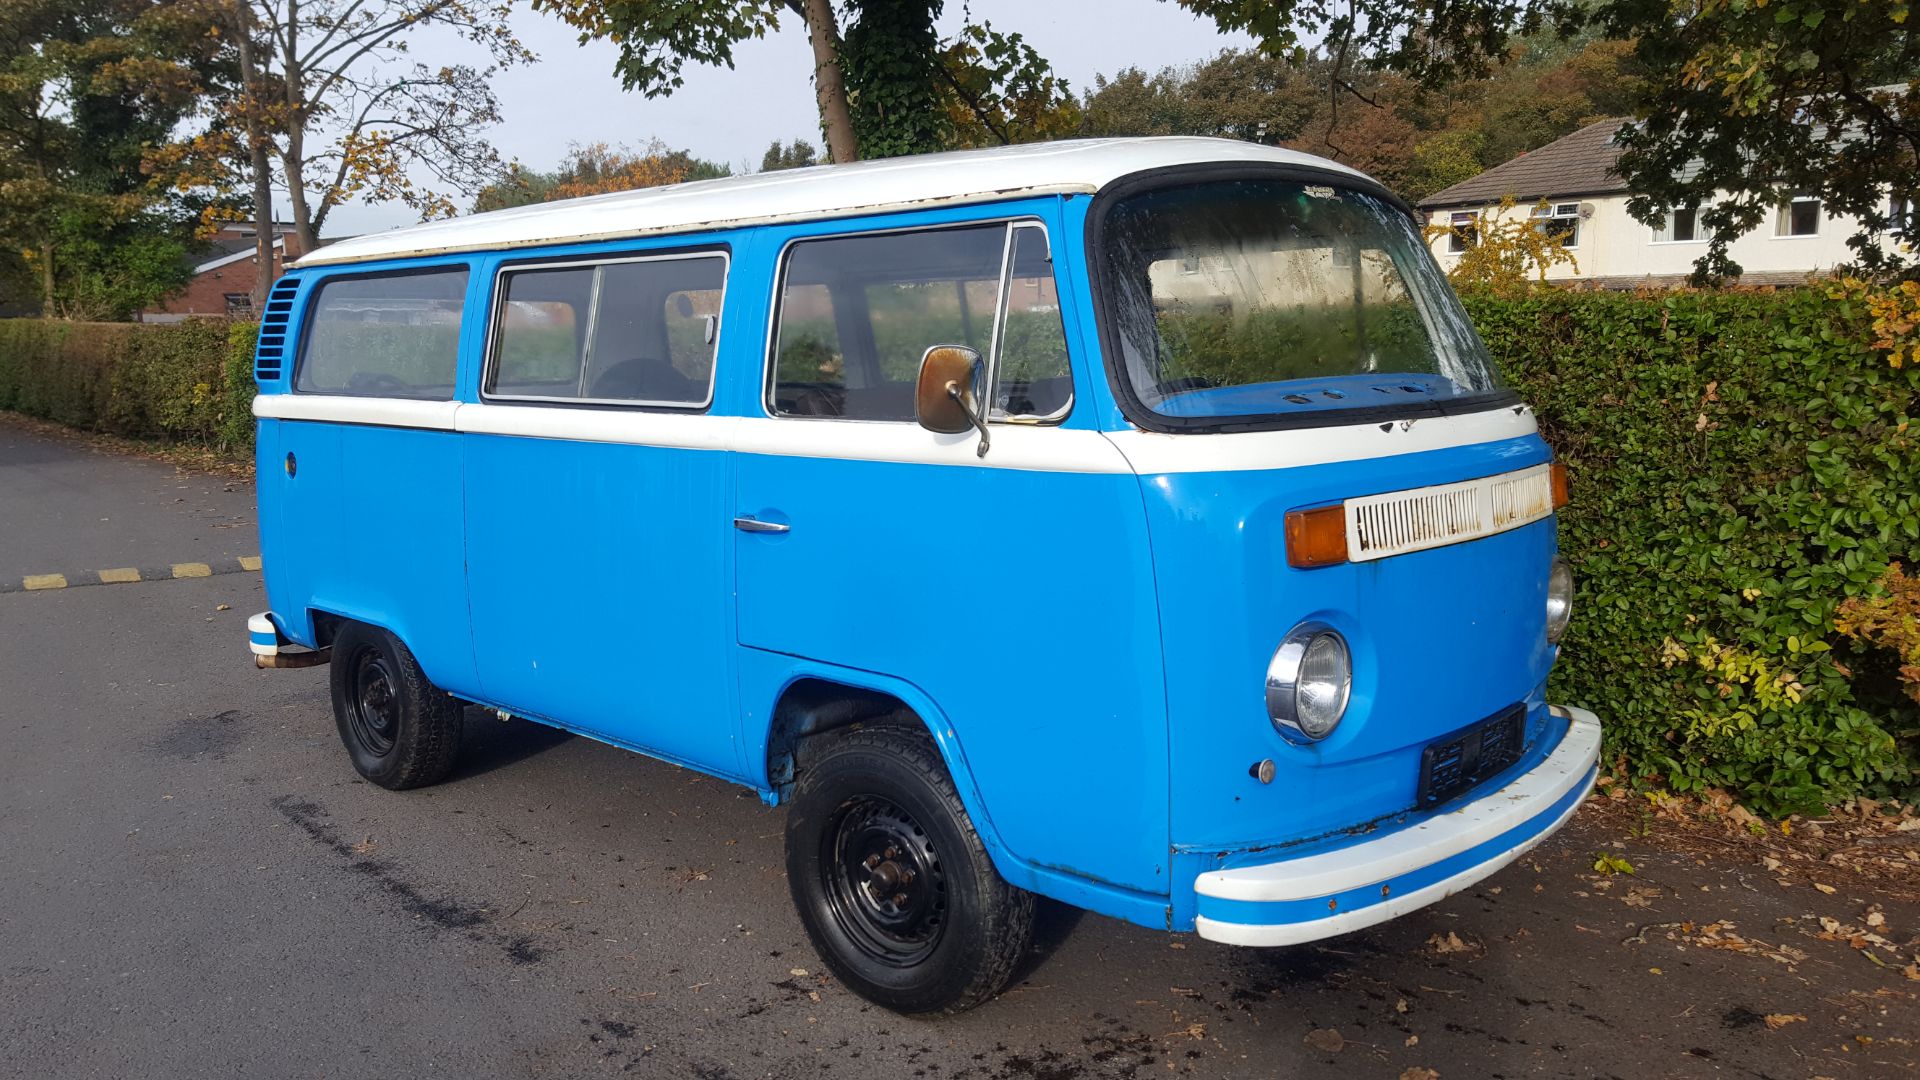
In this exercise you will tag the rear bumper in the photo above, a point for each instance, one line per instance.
(1335, 892)
(263, 637)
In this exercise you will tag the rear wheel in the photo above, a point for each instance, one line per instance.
(400, 730)
(893, 884)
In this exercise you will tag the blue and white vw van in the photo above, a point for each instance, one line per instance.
(1134, 523)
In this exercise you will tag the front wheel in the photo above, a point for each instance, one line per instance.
(400, 730)
(893, 884)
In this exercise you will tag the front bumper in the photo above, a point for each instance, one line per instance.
(1335, 892)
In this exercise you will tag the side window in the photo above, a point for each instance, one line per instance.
(1035, 381)
(384, 335)
(857, 313)
(809, 365)
(638, 331)
(543, 332)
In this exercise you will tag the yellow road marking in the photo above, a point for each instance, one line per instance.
(44, 581)
(249, 562)
(120, 574)
(192, 569)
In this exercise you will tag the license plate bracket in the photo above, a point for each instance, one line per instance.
(1455, 764)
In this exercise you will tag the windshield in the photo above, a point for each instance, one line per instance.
(1252, 300)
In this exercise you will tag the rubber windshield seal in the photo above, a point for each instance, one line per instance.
(1105, 303)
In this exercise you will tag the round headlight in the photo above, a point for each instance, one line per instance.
(1309, 681)
(1559, 599)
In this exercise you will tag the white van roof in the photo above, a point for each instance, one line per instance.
(1080, 166)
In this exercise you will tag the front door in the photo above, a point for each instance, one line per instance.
(1005, 588)
(597, 505)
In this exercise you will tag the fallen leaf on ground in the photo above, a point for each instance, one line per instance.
(1419, 1073)
(1776, 1021)
(1450, 943)
(1639, 896)
(1325, 1039)
(1825, 888)
(1611, 864)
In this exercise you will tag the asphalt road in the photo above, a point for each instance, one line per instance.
(194, 883)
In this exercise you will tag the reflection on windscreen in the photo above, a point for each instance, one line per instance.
(1251, 298)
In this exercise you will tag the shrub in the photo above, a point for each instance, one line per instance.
(189, 382)
(1745, 470)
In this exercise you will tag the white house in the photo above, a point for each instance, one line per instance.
(1587, 202)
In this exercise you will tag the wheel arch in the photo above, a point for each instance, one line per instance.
(817, 699)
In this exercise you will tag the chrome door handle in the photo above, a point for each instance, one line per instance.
(755, 525)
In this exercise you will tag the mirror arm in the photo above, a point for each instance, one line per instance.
(954, 392)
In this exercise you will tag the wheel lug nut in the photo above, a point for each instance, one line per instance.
(872, 861)
(900, 898)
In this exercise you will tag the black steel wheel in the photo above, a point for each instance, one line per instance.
(400, 730)
(373, 707)
(884, 883)
(892, 882)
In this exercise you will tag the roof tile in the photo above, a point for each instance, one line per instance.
(1577, 164)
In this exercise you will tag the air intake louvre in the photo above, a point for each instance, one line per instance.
(1413, 520)
(269, 356)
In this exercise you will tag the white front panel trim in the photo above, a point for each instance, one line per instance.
(1397, 522)
(1153, 453)
(1439, 837)
(1015, 446)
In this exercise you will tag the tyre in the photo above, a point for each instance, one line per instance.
(892, 882)
(400, 730)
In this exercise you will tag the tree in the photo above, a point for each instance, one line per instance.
(885, 81)
(1818, 97)
(656, 39)
(797, 155)
(1741, 104)
(90, 94)
(1235, 95)
(595, 169)
(346, 118)
(996, 89)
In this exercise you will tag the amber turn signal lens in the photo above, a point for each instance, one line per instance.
(1317, 537)
(1559, 474)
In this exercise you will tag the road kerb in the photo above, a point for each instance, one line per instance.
(121, 575)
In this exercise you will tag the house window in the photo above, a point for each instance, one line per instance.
(1899, 213)
(1682, 227)
(1559, 222)
(1799, 216)
(1465, 232)
(239, 304)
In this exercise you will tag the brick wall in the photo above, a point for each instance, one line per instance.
(206, 295)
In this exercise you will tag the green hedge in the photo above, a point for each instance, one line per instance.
(1742, 463)
(188, 382)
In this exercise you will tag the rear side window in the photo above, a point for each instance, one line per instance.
(629, 332)
(385, 335)
(857, 313)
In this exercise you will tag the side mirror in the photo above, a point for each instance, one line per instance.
(947, 397)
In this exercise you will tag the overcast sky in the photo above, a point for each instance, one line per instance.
(572, 95)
